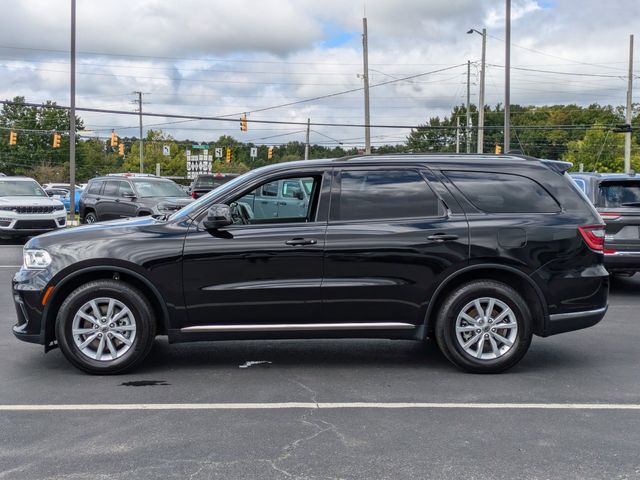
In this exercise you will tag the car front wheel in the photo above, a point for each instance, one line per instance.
(105, 327)
(484, 326)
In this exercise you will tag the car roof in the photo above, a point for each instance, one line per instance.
(18, 178)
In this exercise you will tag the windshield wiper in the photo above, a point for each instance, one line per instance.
(630, 204)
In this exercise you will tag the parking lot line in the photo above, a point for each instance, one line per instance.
(10, 266)
(316, 406)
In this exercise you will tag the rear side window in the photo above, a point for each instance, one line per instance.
(619, 194)
(368, 195)
(94, 188)
(503, 193)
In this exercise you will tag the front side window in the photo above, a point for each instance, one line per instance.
(110, 189)
(256, 207)
(125, 190)
(384, 194)
(503, 193)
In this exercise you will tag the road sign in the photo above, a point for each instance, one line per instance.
(166, 150)
(218, 152)
(201, 147)
(254, 152)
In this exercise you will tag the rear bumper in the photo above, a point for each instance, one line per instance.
(622, 261)
(567, 322)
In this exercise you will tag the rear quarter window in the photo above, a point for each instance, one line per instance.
(503, 193)
(94, 188)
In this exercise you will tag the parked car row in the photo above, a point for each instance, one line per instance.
(617, 199)
(26, 209)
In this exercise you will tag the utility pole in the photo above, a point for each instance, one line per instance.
(507, 78)
(72, 118)
(627, 135)
(139, 102)
(457, 134)
(365, 76)
(306, 145)
(468, 129)
(481, 96)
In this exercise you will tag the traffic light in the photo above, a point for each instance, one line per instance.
(270, 153)
(56, 140)
(243, 123)
(121, 149)
(228, 154)
(13, 138)
(498, 149)
(114, 139)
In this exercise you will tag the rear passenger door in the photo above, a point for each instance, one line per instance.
(106, 206)
(390, 239)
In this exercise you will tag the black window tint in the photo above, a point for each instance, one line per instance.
(503, 193)
(125, 189)
(366, 195)
(110, 189)
(270, 190)
(95, 187)
(619, 194)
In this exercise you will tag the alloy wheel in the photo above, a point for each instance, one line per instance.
(103, 329)
(486, 328)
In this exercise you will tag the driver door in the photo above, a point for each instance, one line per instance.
(260, 271)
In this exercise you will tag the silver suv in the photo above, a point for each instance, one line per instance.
(26, 210)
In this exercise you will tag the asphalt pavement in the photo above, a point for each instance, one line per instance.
(352, 409)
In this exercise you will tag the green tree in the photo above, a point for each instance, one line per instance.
(601, 150)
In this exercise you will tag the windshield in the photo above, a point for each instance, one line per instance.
(159, 188)
(195, 206)
(20, 188)
(619, 194)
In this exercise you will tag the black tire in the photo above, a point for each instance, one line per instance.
(454, 304)
(90, 217)
(133, 300)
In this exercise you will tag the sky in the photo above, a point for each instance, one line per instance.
(223, 58)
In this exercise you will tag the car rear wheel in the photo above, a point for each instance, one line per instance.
(90, 217)
(484, 326)
(105, 327)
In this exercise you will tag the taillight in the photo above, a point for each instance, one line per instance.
(610, 215)
(193, 195)
(593, 236)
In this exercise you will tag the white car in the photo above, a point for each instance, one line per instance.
(25, 209)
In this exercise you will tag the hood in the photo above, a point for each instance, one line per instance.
(174, 203)
(24, 201)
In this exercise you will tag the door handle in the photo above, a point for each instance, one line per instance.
(282, 203)
(117, 200)
(301, 241)
(442, 237)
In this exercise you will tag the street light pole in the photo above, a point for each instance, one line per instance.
(628, 118)
(72, 118)
(507, 78)
(481, 96)
(483, 34)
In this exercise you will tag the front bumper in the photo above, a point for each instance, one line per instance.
(622, 260)
(27, 288)
(31, 224)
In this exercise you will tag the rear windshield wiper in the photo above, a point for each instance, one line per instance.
(630, 204)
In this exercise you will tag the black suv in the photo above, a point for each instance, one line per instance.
(617, 198)
(203, 184)
(445, 246)
(119, 196)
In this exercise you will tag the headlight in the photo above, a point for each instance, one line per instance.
(60, 207)
(36, 259)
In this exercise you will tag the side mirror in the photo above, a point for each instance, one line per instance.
(218, 216)
(129, 195)
(299, 195)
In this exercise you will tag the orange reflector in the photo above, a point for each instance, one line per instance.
(45, 297)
